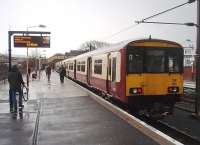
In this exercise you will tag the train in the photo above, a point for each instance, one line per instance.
(144, 74)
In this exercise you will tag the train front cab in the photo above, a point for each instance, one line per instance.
(154, 79)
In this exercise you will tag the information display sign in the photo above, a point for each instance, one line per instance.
(32, 41)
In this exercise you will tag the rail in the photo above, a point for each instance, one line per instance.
(188, 100)
(178, 134)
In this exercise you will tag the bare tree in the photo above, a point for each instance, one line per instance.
(93, 45)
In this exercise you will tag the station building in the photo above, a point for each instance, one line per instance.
(55, 58)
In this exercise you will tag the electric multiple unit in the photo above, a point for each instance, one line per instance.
(145, 74)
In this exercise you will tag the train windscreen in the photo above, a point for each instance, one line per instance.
(154, 60)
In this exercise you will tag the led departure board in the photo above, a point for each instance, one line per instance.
(32, 41)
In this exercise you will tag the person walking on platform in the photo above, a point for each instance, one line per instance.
(29, 72)
(15, 83)
(48, 72)
(62, 73)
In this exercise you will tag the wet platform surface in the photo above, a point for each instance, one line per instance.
(67, 116)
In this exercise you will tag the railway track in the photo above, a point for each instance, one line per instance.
(171, 131)
(189, 94)
(188, 101)
(174, 132)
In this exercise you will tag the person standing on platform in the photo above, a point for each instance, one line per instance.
(29, 72)
(15, 83)
(62, 73)
(48, 72)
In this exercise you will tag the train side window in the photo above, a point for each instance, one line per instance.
(67, 66)
(155, 61)
(173, 62)
(109, 67)
(98, 66)
(114, 69)
(78, 66)
(135, 61)
(71, 66)
(83, 66)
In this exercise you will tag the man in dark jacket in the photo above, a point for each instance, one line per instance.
(48, 72)
(62, 74)
(15, 82)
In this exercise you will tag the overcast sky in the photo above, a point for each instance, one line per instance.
(72, 22)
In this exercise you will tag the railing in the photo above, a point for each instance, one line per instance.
(3, 72)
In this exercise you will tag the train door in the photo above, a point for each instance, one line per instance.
(114, 86)
(108, 81)
(89, 69)
(74, 69)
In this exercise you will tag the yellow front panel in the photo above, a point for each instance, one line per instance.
(154, 84)
(163, 44)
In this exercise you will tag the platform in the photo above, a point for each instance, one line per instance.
(60, 114)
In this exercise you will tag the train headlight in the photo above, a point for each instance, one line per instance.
(136, 91)
(173, 89)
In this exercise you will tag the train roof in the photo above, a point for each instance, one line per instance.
(118, 46)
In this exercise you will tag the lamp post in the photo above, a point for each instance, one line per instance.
(40, 56)
(27, 60)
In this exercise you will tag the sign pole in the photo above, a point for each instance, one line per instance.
(197, 99)
(9, 50)
(27, 70)
(39, 67)
(27, 61)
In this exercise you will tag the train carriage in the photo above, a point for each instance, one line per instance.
(81, 70)
(154, 71)
(99, 71)
(145, 74)
(70, 66)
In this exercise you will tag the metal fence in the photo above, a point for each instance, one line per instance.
(3, 71)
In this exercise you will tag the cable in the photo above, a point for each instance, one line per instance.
(168, 23)
(139, 22)
(150, 17)
(122, 30)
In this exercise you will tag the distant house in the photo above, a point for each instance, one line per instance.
(74, 53)
(55, 58)
(189, 64)
(189, 56)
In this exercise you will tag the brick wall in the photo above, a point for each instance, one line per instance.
(189, 74)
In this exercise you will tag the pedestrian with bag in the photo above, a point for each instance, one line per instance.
(62, 73)
(15, 83)
(48, 72)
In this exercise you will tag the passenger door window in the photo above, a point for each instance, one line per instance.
(114, 65)
(155, 61)
(135, 61)
(173, 62)
(98, 66)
